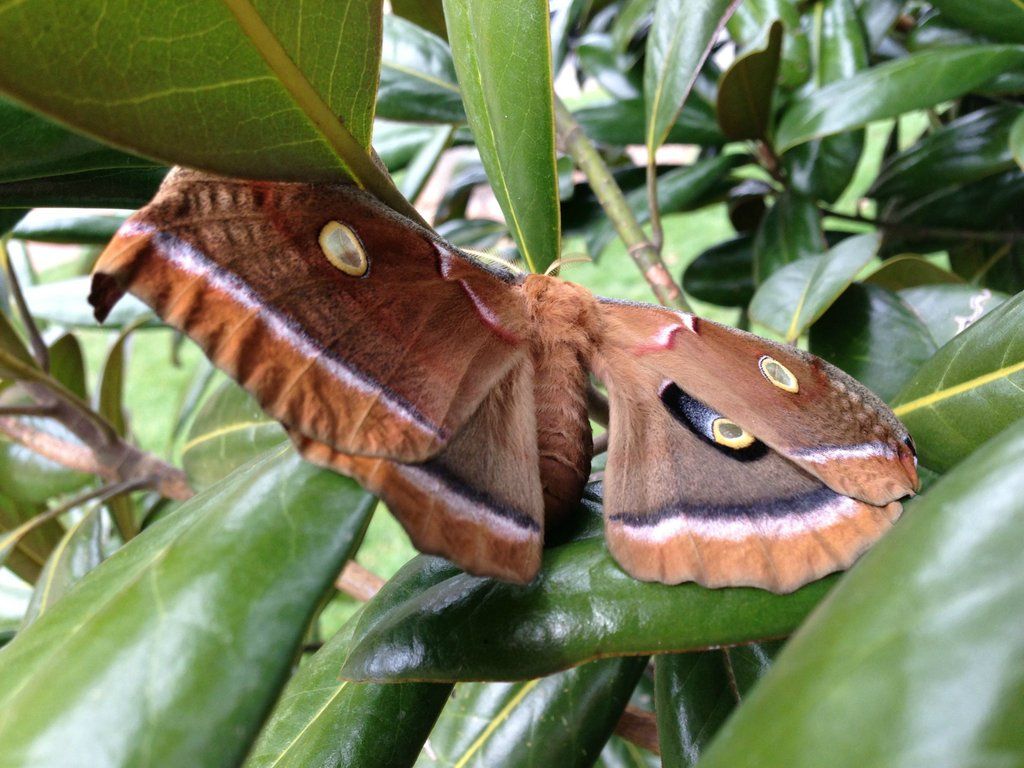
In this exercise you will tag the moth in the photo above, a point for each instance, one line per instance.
(456, 390)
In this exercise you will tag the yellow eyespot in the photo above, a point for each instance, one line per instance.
(730, 434)
(342, 248)
(778, 374)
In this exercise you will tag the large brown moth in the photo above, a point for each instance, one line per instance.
(457, 391)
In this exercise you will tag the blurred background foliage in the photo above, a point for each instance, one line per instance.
(844, 175)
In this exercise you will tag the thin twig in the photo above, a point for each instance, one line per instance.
(37, 411)
(358, 582)
(640, 727)
(575, 142)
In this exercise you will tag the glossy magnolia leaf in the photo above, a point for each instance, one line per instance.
(878, 18)
(78, 552)
(35, 147)
(874, 337)
(908, 270)
(25, 551)
(796, 295)
(949, 309)
(1017, 140)
(111, 407)
(503, 61)
(75, 228)
(64, 303)
(619, 753)
(678, 43)
(618, 73)
(749, 663)
(229, 430)
(823, 169)
(723, 274)
(916, 81)
(878, 675)
(207, 606)
(428, 14)
(320, 720)
(417, 76)
(581, 607)
(622, 122)
(746, 90)
(128, 188)
(969, 390)
(969, 148)
(242, 88)
(749, 27)
(417, 173)
(694, 697)
(680, 189)
(562, 720)
(994, 19)
(67, 364)
(480, 234)
(790, 231)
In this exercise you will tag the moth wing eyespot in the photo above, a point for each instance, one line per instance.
(343, 249)
(777, 374)
(730, 434)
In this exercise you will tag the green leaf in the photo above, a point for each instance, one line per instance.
(419, 170)
(84, 229)
(79, 551)
(428, 14)
(206, 607)
(27, 552)
(320, 720)
(693, 697)
(869, 333)
(746, 89)
(950, 309)
(35, 147)
(562, 720)
(67, 364)
(749, 27)
(796, 295)
(127, 188)
(11, 342)
(680, 189)
(242, 88)
(879, 675)
(503, 61)
(582, 606)
(916, 81)
(678, 43)
(878, 18)
(969, 390)
(790, 231)
(749, 663)
(1017, 140)
(417, 76)
(65, 303)
(111, 407)
(229, 430)
(622, 122)
(969, 148)
(994, 18)
(823, 169)
(723, 274)
(908, 270)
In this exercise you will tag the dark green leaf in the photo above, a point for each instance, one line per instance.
(693, 698)
(322, 721)
(561, 720)
(749, 663)
(582, 606)
(969, 148)
(679, 41)
(67, 365)
(949, 309)
(228, 431)
(791, 230)
(996, 19)
(129, 188)
(27, 552)
(749, 28)
(723, 274)
(796, 295)
(206, 606)
(746, 90)
(417, 76)
(34, 147)
(680, 189)
(85, 229)
(241, 88)
(969, 390)
(504, 67)
(622, 122)
(473, 233)
(428, 14)
(878, 18)
(11, 342)
(909, 270)
(913, 82)
(1017, 140)
(398, 143)
(880, 675)
(65, 303)
(874, 337)
(111, 407)
(822, 169)
(417, 173)
(616, 71)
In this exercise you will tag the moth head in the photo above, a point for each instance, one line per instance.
(343, 249)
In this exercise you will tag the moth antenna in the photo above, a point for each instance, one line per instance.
(558, 263)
